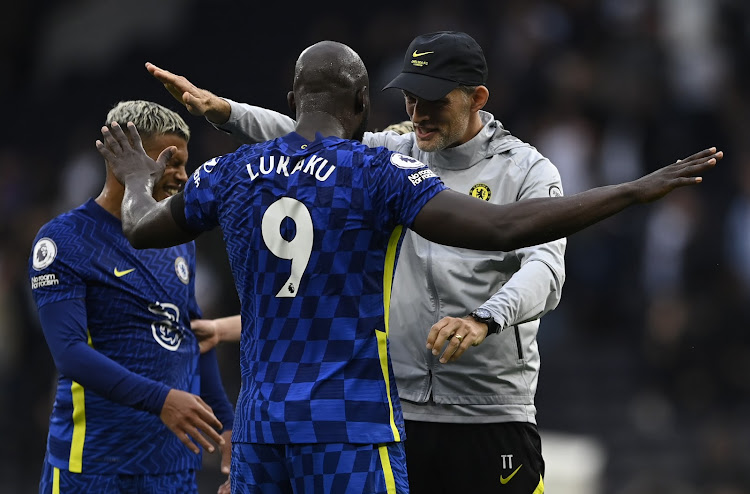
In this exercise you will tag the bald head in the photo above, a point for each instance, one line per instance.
(330, 78)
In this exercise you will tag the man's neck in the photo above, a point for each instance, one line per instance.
(310, 123)
(110, 198)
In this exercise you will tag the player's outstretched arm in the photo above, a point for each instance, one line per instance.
(459, 220)
(200, 102)
(191, 419)
(145, 222)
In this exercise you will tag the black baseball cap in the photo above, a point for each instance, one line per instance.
(436, 63)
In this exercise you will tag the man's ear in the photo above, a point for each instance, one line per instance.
(362, 102)
(479, 98)
(290, 101)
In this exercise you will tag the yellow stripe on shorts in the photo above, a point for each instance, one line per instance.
(385, 461)
(56, 481)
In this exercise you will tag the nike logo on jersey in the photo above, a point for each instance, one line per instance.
(120, 274)
(417, 54)
(505, 480)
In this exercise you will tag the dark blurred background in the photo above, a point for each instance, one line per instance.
(648, 355)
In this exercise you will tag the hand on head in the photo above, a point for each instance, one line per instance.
(125, 155)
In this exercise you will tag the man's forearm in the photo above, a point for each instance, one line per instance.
(147, 223)
(229, 328)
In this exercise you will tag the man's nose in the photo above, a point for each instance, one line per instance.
(419, 111)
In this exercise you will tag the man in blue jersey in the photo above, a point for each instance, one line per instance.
(480, 406)
(313, 222)
(127, 415)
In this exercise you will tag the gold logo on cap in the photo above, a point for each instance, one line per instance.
(417, 54)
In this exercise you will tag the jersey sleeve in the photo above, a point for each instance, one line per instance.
(64, 327)
(201, 202)
(401, 186)
(194, 309)
(252, 124)
(54, 266)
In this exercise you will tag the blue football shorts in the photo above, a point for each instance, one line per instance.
(326, 468)
(60, 481)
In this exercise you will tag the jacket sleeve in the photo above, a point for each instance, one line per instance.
(64, 327)
(251, 124)
(536, 287)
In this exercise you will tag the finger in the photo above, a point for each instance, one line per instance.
(166, 155)
(104, 151)
(443, 335)
(151, 67)
(225, 488)
(212, 433)
(435, 331)
(184, 437)
(701, 160)
(173, 83)
(697, 168)
(452, 350)
(193, 104)
(195, 433)
(701, 154)
(134, 136)
(163, 75)
(206, 414)
(118, 136)
(459, 351)
(109, 140)
(226, 458)
(445, 340)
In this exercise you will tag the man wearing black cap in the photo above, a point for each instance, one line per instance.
(481, 407)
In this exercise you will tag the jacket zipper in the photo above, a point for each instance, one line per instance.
(518, 342)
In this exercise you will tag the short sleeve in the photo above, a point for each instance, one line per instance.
(52, 272)
(201, 204)
(401, 186)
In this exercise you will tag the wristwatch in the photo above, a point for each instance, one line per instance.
(483, 315)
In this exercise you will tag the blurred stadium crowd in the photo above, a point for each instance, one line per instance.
(649, 350)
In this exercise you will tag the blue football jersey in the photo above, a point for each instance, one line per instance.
(312, 231)
(138, 309)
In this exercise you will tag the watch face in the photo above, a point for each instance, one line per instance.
(483, 313)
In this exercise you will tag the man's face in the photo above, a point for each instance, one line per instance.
(174, 177)
(442, 123)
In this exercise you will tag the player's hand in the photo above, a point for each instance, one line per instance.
(191, 420)
(401, 127)
(225, 488)
(206, 332)
(226, 452)
(679, 174)
(200, 102)
(456, 334)
(123, 151)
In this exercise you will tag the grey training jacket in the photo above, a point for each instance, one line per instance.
(496, 381)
